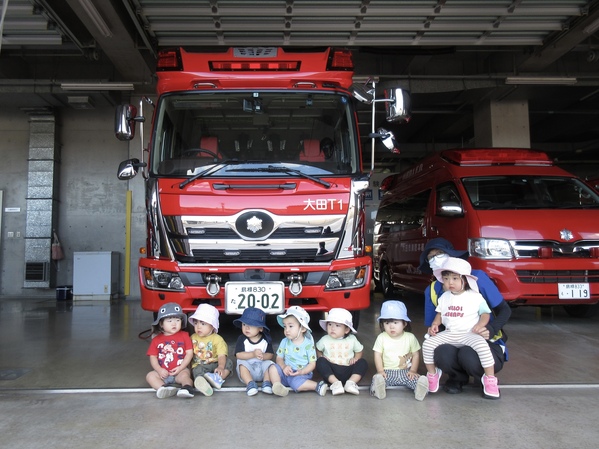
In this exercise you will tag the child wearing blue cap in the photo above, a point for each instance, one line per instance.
(170, 353)
(254, 351)
(396, 353)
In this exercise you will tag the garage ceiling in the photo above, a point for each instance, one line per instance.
(450, 54)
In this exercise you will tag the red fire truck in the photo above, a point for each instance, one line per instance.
(254, 180)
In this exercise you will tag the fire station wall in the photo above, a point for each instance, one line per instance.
(92, 201)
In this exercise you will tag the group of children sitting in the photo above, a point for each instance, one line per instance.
(177, 358)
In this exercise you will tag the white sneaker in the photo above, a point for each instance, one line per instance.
(337, 388)
(378, 387)
(421, 389)
(279, 389)
(351, 387)
(203, 386)
(166, 392)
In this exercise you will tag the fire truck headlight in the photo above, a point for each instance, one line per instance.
(163, 280)
(349, 278)
(490, 248)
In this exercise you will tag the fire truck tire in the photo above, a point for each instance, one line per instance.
(582, 310)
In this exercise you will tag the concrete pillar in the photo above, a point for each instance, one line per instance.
(501, 124)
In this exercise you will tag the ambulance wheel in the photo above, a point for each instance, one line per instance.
(386, 285)
(355, 318)
(581, 310)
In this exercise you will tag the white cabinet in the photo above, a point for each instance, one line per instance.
(95, 275)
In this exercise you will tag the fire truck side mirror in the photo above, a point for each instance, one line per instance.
(398, 105)
(124, 121)
(128, 169)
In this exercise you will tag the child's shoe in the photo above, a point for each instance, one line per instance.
(166, 391)
(421, 389)
(215, 380)
(433, 380)
(351, 387)
(321, 388)
(266, 387)
(203, 386)
(185, 392)
(378, 387)
(337, 388)
(279, 389)
(490, 388)
(251, 389)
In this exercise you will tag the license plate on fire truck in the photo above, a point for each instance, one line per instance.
(574, 291)
(268, 296)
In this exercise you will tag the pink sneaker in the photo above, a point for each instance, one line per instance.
(490, 388)
(433, 380)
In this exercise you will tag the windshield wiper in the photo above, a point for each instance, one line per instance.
(273, 169)
(208, 171)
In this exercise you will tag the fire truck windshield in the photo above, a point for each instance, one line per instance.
(242, 134)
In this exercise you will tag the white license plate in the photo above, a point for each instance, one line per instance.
(574, 291)
(268, 296)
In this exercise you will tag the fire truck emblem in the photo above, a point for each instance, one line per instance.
(254, 224)
(566, 234)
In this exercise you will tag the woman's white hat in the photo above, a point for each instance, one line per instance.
(298, 312)
(459, 266)
(207, 314)
(339, 316)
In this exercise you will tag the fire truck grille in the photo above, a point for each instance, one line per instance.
(281, 233)
(253, 255)
(554, 276)
(576, 250)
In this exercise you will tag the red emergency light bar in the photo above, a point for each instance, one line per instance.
(340, 60)
(230, 66)
(169, 60)
(497, 156)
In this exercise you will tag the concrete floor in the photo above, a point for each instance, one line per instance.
(72, 375)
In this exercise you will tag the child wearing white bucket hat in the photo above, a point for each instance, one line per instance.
(340, 353)
(296, 356)
(464, 313)
(211, 364)
(396, 353)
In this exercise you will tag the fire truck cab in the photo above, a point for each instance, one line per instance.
(254, 181)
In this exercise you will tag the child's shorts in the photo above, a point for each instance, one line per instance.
(201, 369)
(293, 382)
(256, 367)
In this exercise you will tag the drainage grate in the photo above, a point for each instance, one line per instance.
(12, 374)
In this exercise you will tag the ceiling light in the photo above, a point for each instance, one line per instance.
(97, 86)
(96, 18)
(558, 80)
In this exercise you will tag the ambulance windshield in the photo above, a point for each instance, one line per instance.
(529, 192)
